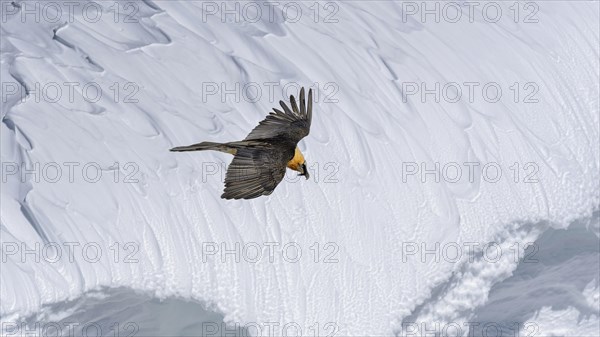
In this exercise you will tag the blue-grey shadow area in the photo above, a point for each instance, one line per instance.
(553, 273)
(125, 312)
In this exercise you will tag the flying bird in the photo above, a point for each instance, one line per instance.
(260, 160)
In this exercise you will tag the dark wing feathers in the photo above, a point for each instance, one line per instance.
(253, 172)
(293, 124)
(285, 107)
(294, 105)
(309, 107)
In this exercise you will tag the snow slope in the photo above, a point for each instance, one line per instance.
(168, 72)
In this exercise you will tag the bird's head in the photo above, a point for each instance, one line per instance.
(298, 163)
(303, 170)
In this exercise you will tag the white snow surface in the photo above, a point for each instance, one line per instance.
(174, 51)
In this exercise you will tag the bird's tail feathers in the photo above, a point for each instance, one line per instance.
(222, 147)
(230, 147)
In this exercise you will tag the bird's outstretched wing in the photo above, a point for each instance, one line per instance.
(253, 172)
(291, 124)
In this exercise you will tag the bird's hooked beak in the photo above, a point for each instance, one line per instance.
(304, 171)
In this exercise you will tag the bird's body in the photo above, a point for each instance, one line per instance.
(260, 159)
